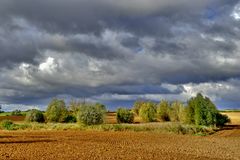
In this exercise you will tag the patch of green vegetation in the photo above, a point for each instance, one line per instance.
(22, 113)
(167, 127)
(35, 115)
(124, 115)
(5, 114)
(7, 125)
(91, 115)
(230, 110)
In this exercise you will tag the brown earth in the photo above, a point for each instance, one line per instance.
(13, 118)
(117, 145)
(69, 145)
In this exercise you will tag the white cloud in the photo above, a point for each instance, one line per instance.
(215, 90)
(12, 107)
(219, 39)
(236, 13)
(49, 66)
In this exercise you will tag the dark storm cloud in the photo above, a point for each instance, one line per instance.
(105, 49)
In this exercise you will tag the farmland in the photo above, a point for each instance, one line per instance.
(115, 145)
(73, 144)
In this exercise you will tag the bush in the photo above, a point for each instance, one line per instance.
(91, 115)
(124, 116)
(222, 119)
(70, 119)
(56, 111)
(148, 112)
(163, 111)
(35, 115)
(7, 124)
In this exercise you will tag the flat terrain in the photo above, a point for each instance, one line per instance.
(13, 118)
(116, 145)
(224, 144)
(234, 116)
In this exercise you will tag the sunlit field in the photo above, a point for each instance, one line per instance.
(234, 116)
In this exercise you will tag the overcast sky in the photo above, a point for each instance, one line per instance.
(115, 52)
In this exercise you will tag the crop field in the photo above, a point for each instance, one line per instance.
(72, 144)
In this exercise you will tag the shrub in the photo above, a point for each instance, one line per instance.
(163, 111)
(124, 116)
(91, 115)
(148, 112)
(56, 111)
(7, 124)
(35, 115)
(222, 119)
(70, 119)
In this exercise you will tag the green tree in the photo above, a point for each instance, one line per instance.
(201, 111)
(163, 111)
(190, 112)
(148, 112)
(177, 112)
(74, 106)
(137, 105)
(56, 111)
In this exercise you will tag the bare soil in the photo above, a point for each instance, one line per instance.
(13, 118)
(50, 145)
(117, 145)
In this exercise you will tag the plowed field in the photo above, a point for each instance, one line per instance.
(67, 145)
(13, 118)
(116, 145)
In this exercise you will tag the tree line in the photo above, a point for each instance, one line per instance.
(198, 110)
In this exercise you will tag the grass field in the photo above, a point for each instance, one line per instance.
(10, 113)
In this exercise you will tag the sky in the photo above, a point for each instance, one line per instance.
(116, 52)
